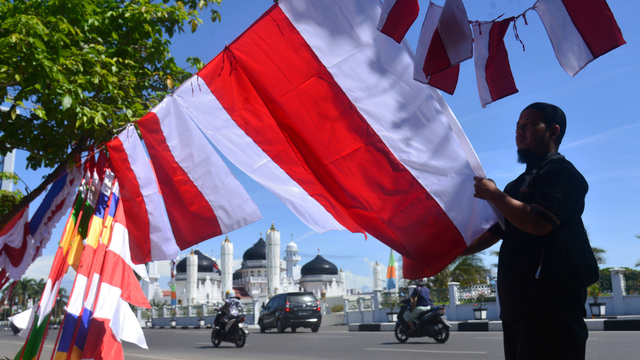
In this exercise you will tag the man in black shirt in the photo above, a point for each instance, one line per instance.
(542, 304)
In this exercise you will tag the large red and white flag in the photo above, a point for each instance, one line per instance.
(580, 30)
(493, 72)
(452, 41)
(202, 197)
(141, 200)
(397, 16)
(312, 103)
(445, 80)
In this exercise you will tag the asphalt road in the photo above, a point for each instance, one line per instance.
(334, 342)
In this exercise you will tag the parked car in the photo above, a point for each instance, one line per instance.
(291, 310)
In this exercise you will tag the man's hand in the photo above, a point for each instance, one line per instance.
(485, 188)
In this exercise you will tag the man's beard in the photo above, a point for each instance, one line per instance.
(528, 156)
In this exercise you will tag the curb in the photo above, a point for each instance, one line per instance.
(487, 325)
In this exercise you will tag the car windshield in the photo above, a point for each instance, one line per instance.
(303, 298)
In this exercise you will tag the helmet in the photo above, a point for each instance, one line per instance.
(421, 282)
(230, 294)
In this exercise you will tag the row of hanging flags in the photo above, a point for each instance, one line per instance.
(580, 31)
(313, 103)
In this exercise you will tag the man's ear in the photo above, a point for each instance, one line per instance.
(554, 131)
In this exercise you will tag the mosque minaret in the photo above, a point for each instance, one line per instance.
(292, 258)
(273, 261)
(226, 266)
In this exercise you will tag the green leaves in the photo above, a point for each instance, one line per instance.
(66, 102)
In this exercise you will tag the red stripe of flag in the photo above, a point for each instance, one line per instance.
(498, 70)
(135, 207)
(400, 18)
(181, 196)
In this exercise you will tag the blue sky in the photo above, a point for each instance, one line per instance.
(601, 139)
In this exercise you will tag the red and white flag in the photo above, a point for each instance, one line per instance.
(452, 41)
(397, 17)
(580, 30)
(113, 320)
(493, 72)
(340, 131)
(141, 200)
(445, 80)
(202, 197)
(15, 245)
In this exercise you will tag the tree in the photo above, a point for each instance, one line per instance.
(599, 254)
(24, 290)
(467, 270)
(74, 72)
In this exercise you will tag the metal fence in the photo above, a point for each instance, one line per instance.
(477, 293)
(439, 296)
(198, 311)
(632, 283)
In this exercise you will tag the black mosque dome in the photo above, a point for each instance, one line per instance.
(319, 266)
(205, 264)
(257, 252)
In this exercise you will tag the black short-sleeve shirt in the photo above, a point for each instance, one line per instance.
(556, 191)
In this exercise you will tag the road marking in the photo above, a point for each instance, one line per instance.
(430, 351)
(322, 336)
(149, 357)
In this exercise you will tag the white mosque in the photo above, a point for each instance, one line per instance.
(200, 280)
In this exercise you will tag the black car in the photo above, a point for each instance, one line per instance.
(291, 310)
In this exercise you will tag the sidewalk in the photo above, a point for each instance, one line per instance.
(611, 323)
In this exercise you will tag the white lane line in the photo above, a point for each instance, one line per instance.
(321, 336)
(430, 351)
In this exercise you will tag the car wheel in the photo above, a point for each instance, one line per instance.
(262, 328)
(315, 328)
(214, 340)
(401, 334)
(241, 338)
(280, 326)
(293, 329)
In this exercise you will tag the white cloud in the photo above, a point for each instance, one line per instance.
(353, 281)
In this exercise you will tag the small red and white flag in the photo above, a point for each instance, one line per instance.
(493, 72)
(397, 17)
(15, 243)
(113, 320)
(141, 200)
(445, 80)
(452, 41)
(580, 30)
(202, 197)
(340, 131)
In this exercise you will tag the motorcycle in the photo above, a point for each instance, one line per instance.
(229, 329)
(432, 323)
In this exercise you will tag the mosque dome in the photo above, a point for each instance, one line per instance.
(237, 275)
(319, 266)
(205, 264)
(257, 252)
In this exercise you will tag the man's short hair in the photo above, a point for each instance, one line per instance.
(553, 115)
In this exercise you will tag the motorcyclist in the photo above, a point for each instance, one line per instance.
(419, 302)
(232, 305)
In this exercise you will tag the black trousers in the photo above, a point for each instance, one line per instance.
(546, 333)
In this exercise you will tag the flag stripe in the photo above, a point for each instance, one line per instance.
(595, 22)
(180, 194)
(397, 17)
